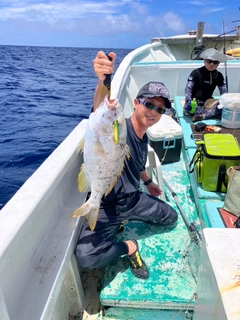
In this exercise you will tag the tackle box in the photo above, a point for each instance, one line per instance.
(165, 137)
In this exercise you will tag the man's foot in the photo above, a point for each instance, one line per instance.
(137, 265)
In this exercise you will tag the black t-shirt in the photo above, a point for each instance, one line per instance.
(129, 181)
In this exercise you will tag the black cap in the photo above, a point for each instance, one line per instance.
(155, 89)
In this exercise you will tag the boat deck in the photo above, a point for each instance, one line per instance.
(172, 284)
(171, 255)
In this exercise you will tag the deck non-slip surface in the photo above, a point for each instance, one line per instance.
(169, 253)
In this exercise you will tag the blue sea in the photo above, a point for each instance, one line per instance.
(44, 93)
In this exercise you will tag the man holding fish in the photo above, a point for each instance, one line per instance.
(115, 155)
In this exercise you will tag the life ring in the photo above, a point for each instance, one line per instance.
(234, 52)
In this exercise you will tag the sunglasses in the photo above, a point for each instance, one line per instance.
(209, 61)
(152, 106)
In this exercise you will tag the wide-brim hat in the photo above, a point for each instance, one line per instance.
(210, 103)
(155, 89)
(213, 54)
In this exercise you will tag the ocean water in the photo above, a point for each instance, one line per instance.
(44, 93)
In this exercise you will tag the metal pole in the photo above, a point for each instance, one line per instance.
(199, 37)
(190, 225)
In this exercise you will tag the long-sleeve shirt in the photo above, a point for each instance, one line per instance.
(201, 83)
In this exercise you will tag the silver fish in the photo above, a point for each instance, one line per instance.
(105, 152)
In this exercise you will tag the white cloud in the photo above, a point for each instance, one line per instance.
(57, 10)
(139, 9)
(99, 19)
(216, 9)
(174, 22)
(197, 3)
(193, 3)
(107, 25)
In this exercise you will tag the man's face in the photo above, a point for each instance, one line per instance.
(146, 116)
(211, 65)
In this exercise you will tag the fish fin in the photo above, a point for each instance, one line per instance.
(127, 157)
(99, 149)
(92, 217)
(82, 211)
(114, 182)
(82, 180)
(90, 212)
(81, 146)
(127, 152)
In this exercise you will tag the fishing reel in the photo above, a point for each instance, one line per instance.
(197, 51)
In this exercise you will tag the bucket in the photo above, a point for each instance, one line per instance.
(231, 117)
(230, 105)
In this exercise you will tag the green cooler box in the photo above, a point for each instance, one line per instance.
(165, 137)
(219, 152)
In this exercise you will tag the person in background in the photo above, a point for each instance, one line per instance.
(95, 249)
(201, 84)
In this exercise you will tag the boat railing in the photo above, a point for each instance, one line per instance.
(174, 76)
(39, 277)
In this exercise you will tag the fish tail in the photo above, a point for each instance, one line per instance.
(82, 211)
(92, 218)
(90, 212)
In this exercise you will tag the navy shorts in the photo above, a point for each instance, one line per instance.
(95, 249)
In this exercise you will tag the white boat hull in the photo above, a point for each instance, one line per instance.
(38, 270)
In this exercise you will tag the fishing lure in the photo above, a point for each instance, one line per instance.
(116, 131)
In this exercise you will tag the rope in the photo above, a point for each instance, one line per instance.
(189, 315)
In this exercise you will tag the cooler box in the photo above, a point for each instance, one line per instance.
(165, 137)
(220, 151)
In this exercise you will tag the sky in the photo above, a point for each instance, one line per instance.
(124, 24)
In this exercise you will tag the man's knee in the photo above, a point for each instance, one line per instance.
(170, 216)
(83, 256)
(85, 261)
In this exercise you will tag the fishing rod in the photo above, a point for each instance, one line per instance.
(107, 83)
(224, 52)
(108, 79)
(201, 48)
(190, 225)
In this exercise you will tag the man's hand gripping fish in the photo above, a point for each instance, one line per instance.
(105, 152)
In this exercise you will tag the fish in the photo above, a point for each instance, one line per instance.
(105, 152)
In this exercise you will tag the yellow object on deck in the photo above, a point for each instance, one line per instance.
(234, 52)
